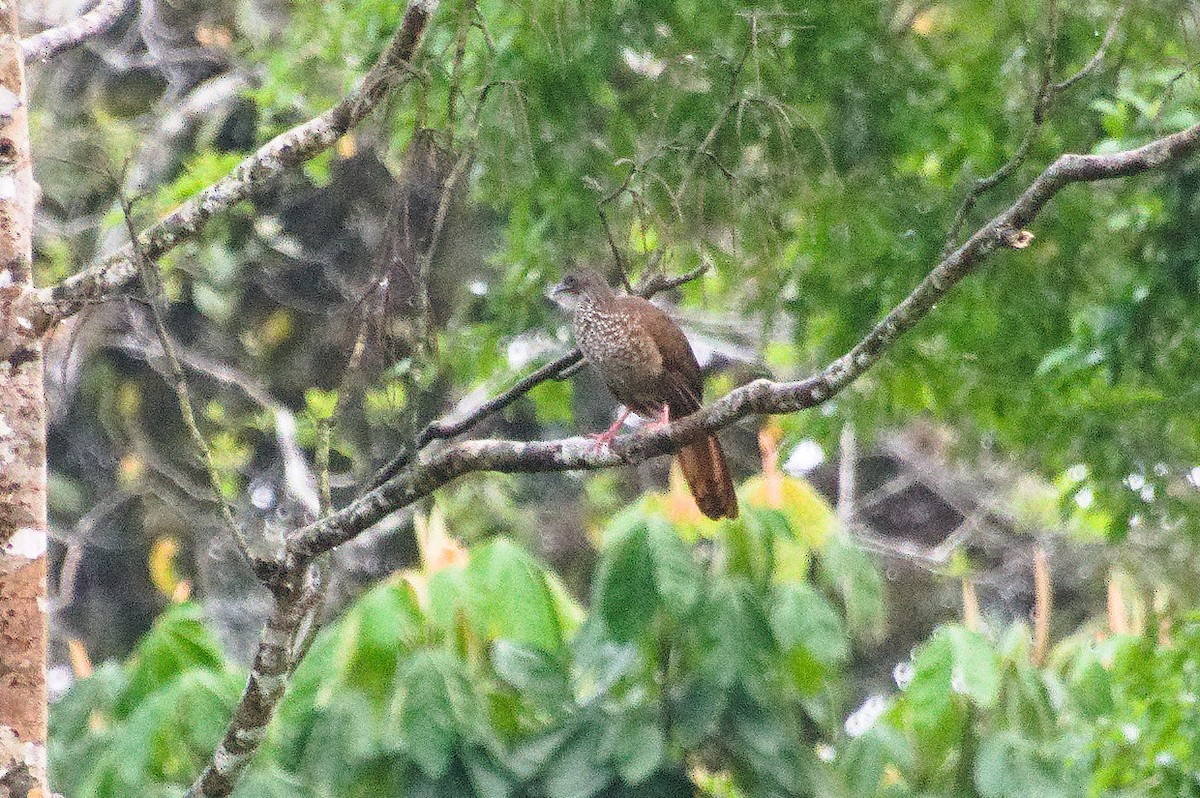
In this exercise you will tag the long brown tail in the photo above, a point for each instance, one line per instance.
(703, 466)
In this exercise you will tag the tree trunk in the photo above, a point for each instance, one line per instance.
(23, 535)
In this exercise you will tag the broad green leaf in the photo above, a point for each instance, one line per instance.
(574, 771)
(677, 578)
(802, 617)
(507, 597)
(976, 666)
(534, 672)
(639, 751)
(177, 643)
(624, 593)
(380, 628)
(424, 717)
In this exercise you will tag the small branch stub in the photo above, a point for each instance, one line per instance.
(1016, 239)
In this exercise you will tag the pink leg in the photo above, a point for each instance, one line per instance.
(605, 438)
(664, 418)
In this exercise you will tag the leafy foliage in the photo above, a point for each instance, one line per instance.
(685, 675)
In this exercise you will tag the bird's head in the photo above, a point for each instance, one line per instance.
(577, 288)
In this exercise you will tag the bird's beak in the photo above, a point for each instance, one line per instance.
(553, 292)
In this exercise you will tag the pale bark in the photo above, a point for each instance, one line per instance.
(23, 621)
(53, 41)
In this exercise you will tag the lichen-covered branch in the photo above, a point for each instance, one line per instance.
(284, 152)
(435, 464)
(283, 641)
(430, 469)
(53, 41)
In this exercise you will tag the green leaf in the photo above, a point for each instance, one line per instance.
(639, 751)
(425, 717)
(574, 771)
(995, 765)
(624, 591)
(863, 762)
(976, 665)
(677, 577)
(488, 778)
(850, 571)
(698, 710)
(377, 630)
(930, 700)
(507, 597)
(528, 757)
(802, 618)
(341, 732)
(749, 544)
(178, 642)
(320, 404)
(532, 671)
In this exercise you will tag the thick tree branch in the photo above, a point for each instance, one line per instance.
(53, 41)
(284, 152)
(431, 469)
(284, 637)
(284, 640)
(23, 524)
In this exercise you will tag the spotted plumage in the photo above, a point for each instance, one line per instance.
(645, 360)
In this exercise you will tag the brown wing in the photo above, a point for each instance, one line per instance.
(681, 386)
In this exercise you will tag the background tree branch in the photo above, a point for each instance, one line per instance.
(283, 152)
(53, 41)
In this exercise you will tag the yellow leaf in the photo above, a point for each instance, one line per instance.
(347, 147)
(130, 469)
(276, 329)
(81, 663)
(438, 549)
(162, 565)
(806, 510)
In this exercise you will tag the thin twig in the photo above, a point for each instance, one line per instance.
(466, 22)
(1098, 57)
(1169, 93)
(152, 286)
(298, 477)
(1043, 97)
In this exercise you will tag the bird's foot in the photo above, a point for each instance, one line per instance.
(664, 418)
(602, 439)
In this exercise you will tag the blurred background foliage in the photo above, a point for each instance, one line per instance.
(815, 154)
(727, 674)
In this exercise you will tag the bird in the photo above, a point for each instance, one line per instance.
(648, 365)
